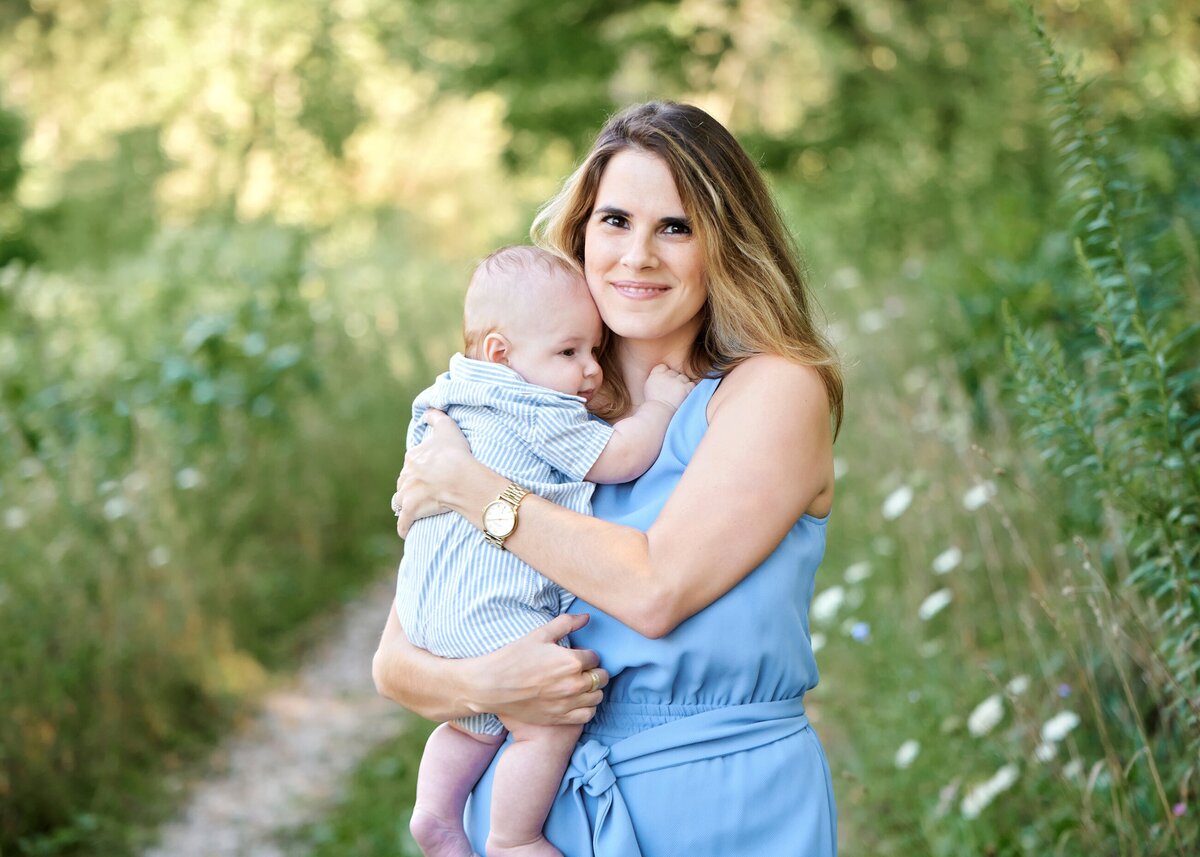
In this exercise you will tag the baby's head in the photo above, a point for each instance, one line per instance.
(531, 311)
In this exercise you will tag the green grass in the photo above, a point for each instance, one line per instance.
(372, 818)
(197, 451)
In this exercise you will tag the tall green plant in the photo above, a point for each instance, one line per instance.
(1121, 418)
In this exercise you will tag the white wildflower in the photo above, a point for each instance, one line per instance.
(826, 605)
(897, 502)
(839, 468)
(986, 715)
(159, 556)
(1018, 685)
(188, 478)
(15, 517)
(1073, 769)
(872, 321)
(818, 642)
(907, 753)
(915, 379)
(1058, 726)
(982, 794)
(924, 421)
(946, 796)
(845, 278)
(135, 482)
(858, 572)
(979, 494)
(947, 561)
(1045, 751)
(934, 604)
(107, 487)
(929, 648)
(254, 344)
(115, 508)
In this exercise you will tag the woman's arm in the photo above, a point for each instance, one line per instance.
(533, 679)
(766, 459)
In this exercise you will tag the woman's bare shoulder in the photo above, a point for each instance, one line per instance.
(782, 386)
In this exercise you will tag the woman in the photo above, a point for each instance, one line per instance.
(697, 577)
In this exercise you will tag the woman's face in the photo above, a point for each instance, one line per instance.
(644, 264)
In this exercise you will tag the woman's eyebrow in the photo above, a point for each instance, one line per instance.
(670, 220)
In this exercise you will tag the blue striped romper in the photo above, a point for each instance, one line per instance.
(456, 595)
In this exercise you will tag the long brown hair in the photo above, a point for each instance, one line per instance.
(758, 301)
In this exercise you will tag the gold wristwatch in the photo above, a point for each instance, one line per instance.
(500, 515)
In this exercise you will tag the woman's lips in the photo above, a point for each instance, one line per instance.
(640, 291)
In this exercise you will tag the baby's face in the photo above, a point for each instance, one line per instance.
(555, 343)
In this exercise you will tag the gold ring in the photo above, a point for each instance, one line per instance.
(595, 680)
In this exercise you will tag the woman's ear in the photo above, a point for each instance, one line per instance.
(496, 348)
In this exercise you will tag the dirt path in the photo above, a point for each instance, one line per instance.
(289, 764)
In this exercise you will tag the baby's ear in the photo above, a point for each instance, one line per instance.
(495, 348)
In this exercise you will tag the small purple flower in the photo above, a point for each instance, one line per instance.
(1179, 809)
(860, 631)
(1064, 690)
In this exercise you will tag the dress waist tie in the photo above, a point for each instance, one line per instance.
(594, 769)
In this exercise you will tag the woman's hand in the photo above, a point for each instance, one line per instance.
(431, 469)
(535, 680)
(532, 679)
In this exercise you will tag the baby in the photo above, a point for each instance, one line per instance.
(520, 397)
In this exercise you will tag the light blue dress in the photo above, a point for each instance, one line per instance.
(701, 747)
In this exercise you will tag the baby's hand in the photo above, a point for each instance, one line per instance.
(667, 386)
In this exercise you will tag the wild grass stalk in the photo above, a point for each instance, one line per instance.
(1117, 408)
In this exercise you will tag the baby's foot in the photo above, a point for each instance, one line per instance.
(439, 837)
(539, 847)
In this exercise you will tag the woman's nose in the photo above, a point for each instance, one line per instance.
(639, 252)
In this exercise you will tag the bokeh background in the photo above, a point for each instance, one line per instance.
(234, 237)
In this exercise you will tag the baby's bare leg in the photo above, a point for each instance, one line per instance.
(453, 762)
(527, 779)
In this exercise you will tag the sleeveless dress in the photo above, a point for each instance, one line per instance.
(701, 746)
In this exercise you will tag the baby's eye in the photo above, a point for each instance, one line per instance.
(568, 352)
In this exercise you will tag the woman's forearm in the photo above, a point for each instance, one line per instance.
(750, 480)
(532, 679)
(435, 688)
(565, 546)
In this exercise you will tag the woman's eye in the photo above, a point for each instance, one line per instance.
(613, 220)
(677, 229)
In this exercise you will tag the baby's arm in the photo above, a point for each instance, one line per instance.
(637, 439)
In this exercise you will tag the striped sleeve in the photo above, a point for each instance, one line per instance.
(567, 437)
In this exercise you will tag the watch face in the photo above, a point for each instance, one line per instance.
(499, 518)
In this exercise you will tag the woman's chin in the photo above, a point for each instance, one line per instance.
(652, 328)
